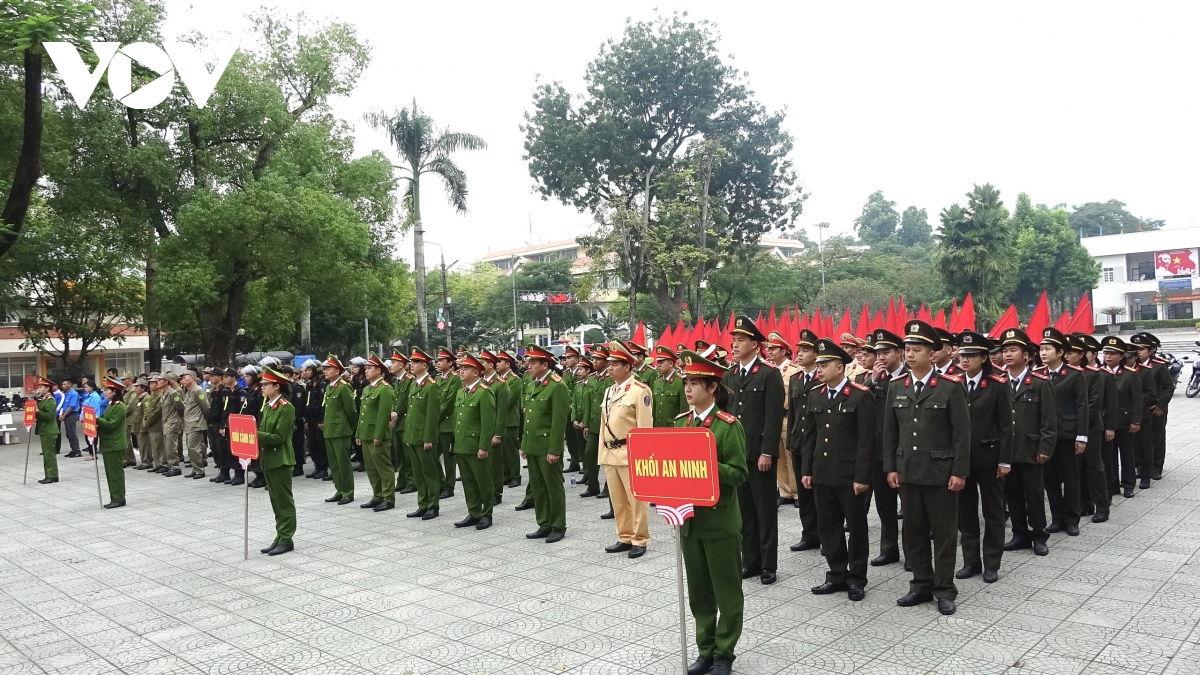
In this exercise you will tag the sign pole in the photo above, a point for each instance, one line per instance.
(96, 461)
(246, 528)
(28, 441)
(30, 412)
(682, 610)
(243, 444)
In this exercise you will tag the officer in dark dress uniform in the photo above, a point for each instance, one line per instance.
(803, 381)
(889, 366)
(1102, 413)
(1035, 433)
(990, 399)
(927, 455)
(1119, 451)
(1152, 443)
(757, 400)
(1071, 402)
(838, 454)
(943, 359)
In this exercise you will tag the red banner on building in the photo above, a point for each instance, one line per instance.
(1170, 263)
(89, 421)
(30, 414)
(674, 468)
(243, 436)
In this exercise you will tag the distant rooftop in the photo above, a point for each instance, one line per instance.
(1142, 242)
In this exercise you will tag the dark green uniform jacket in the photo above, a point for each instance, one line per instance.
(474, 419)
(339, 410)
(500, 392)
(927, 438)
(1035, 419)
(669, 401)
(110, 429)
(1070, 400)
(991, 423)
(547, 407)
(797, 411)
(581, 401)
(449, 388)
(375, 413)
(275, 434)
(515, 389)
(723, 519)
(838, 446)
(424, 406)
(400, 388)
(46, 419)
(1129, 397)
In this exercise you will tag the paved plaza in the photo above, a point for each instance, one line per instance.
(161, 587)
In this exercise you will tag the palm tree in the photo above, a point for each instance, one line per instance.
(424, 148)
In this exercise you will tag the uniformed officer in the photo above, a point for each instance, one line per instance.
(253, 404)
(1102, 426)
(1152, 445)
(172, 423)
(628, 404)
(152, 422)
(448, 384)
(421, 434)
(474, 433)
(943, 360)
(195, 423)
(217, 394)
(838, 453)
(110, 432)
(599, 385)
(297, 395)
(710, 539)
(46, 429)
(757, 400)
(803, 380)
(865, 359)
(276, 457)
(1164, 401)
(375, 436)
(1035, 435)
(235, 401)
(641, 370)
(889, 366)
(851, 345)
(581, 412)
(129, 397)
(401, 453)
(1119, 451)
(512, 420)
(547, 408)
(314, 408)
(780, 353)
(990, 400)
(337, 428)
(1071, 402)
(667, 388)
(133, 421)
(936, 421)
(575, 440)
(499, 390)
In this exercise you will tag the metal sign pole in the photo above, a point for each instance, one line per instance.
(682, 611)
(246, 528)
(28, 440)
(96, 461)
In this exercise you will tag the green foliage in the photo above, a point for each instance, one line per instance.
(26, 24)
(878, 220)
(1129, 326)
(759, 282)
(1112, 313)
(915, 229)
(594, 335)
(975, 249)
(1096, 218)
(1050, 256)
(552, 276)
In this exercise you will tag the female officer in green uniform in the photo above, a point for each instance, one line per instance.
(276, 457)
(47, 429)
(110, 430)
(711, 539)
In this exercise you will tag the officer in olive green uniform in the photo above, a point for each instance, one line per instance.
(276, 458)
(110, 433)
(597, 385)
(421, 434)
(337, 428)
(547, 408)
(375, 435)
(138, 414)
(195, 423)
(641, 370)
(927, 454)
(711, 538)
(132, 422)
(448, 385)
(581, 404)
(837, 456)
(499, 389)
(46, 429)
(474, 431)
(667, 388)
(575, 440)
(512, 418)
(172, 422)
(152, 422)
(401, 453)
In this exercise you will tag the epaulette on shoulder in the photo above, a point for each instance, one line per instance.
(860, 387)
(1040, 375)
(952, 378)
(901, 376)
(769, 363)
(284, 401)
(484, 385)
(1094, 369)
(1159, 359)
(1079, 368)
(683, 414)
(1040, 369)
(641, 384)
(726, 417)
(999, 378)
(1134, 368)
(555, 377)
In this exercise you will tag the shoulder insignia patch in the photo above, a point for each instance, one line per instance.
(639, 383)
(1159, 359)
(726, 417)
(952, 378)
(1094, 369)
(555, 377)
(1040, 375)
(1075, 367)
(860, 386)
(901, 376)
(683, 414)
(483, 385)
(999, 378)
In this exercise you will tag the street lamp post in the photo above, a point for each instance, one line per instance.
(445, 296)
(821, 247)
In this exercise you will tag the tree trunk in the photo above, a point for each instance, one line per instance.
(419, 263)
(220, 321)
(149, 314)
(671, 303)
(29, 163)
(306, 326)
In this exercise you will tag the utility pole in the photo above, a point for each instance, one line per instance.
(446, 303)
(512, 273)
(703, 236)
(306, 326)
(367, 335)
(634, 283)
(821, 247)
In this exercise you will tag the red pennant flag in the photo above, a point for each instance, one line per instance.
(818, 324)
(904, 316)
(966, 315)
(1083, 321)
(639, 335)
(952, 326)
(772, 322)
(761, 324)
(939, 320)
(844, 326)
(1039, 320)
(924, 315)
(665, 339)
(726, 336)
(877, 322)
(1064, 322)
(1007, 320)
(864, 322)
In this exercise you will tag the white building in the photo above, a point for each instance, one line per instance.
(1152, 275)
(20, 368)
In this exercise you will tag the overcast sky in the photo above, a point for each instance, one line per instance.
(1068, 101)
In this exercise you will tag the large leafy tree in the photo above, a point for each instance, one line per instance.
(977, 249)
(550, 277)
(664, 119)
(425, 149)
(878, 221)
(914, 228)
(1050, 256)
(1099, 218)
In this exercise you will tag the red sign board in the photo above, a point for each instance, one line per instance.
(674, 468)
(89, 421)
(30, 414)
(1170, 263)
(1187, 297)
(243, 436)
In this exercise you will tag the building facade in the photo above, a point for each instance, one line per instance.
(1150, 275)
(20, 367)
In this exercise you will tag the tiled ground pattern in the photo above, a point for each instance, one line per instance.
(160, 587)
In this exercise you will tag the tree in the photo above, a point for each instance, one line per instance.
(976, 247)
(844, 294)
(548, 277)
(1099, 218)
(1113, 313)
(425, 149)
(757, 283)
(25, 26)
(914, 228)
(1050, 257)
(657, 104)
(878, 220)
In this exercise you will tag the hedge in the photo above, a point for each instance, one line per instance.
(1128, 326)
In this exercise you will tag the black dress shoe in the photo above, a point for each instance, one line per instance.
(855, 593)
(555, 536)
(946, 606)
(722, 666)
(327, 477)
(467, 522)
(767, 577)
(258, 483)
(281, 549)
(637, 551)
(407, 490)
(619, 547)
(1016, 544)
(540, 533)
(430, 514)
(523, 506)
(172, 473)
(268, 548)
(1156, 476)
(47, 481)
(805, 545)
(237, 480)
(516, 482)
(603, 493)
(588, 493)
(1054, 528)
(885, 559)
(158, 469)
(1128, 493)
(320, 474)
(1145, 484)
(990, 576)
(359, 468)
(907, 565)
(913, 599)
(345, 500)
(1041, 548)
(416, 514)
(1100, 517)
(787, 500)
(114, 505)
(385, 506)
(966, 572)
(446, 494)
(197, 475)
(1071, 530)
(370, 505)
(608, 516)
(484, 523)
(335, 498)
(297, 472)
(829, 587)
(700, 666)
(1087, 510)
(750, 574)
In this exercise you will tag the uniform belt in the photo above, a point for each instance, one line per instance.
(615, 444)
